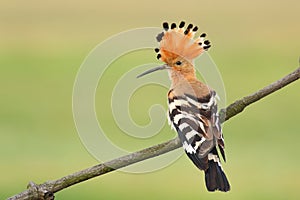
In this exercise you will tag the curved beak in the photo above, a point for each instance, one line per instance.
(162, 67)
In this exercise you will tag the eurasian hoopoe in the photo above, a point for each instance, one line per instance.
(192, 105)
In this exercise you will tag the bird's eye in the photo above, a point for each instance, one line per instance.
(178, 62)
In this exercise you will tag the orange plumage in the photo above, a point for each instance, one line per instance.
(179, 42)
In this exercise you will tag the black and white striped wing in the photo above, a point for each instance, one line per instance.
(197, 124)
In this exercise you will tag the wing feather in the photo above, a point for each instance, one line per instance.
(197, 124)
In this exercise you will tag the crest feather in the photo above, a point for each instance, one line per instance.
(176, 41)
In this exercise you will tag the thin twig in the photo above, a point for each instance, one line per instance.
(239, 105)
(46, 190)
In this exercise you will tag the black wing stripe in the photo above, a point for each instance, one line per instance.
(173, 113)
(188, 132)
(215, 176)
(194, 125)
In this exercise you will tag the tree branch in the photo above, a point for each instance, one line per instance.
(239, 105)
(46, 190)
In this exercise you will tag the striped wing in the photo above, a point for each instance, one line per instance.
(197, 124)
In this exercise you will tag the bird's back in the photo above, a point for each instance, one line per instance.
(193, 114)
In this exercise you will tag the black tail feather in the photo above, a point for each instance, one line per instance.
(215, 177)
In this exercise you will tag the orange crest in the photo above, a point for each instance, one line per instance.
(177, 41)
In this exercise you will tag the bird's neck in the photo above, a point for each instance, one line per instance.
(178, 77)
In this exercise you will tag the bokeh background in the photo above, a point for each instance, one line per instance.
(43, 43)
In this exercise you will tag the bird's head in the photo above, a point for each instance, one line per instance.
(178, 48)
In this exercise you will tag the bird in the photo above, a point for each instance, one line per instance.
(192, 105)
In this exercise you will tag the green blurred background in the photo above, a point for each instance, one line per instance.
(42, 45)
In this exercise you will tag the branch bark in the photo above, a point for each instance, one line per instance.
(46, 190)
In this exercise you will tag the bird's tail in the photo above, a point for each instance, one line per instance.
(215, 177)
